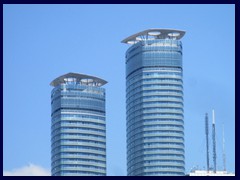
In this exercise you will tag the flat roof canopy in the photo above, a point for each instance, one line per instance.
(81, 78)
(156, 33)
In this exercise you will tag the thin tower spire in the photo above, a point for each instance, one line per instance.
(214, 143)
(224, 154)
(207, 145)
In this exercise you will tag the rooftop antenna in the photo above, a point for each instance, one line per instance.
(224, 155)
(214, 143)
(206, 132)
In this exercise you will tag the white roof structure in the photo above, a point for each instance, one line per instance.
(210, 173)
(155, 33)
(81, 78)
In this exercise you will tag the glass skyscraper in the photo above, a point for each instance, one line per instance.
(78, 130)
(154, 103)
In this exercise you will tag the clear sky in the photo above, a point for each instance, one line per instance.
(42, 42)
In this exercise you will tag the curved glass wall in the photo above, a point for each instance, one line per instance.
(78, 130)
(154, 101)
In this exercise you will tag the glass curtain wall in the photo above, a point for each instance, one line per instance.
(154, 103)
(78, 128)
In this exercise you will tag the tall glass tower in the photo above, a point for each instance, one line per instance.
(154, 100)
(78, 128)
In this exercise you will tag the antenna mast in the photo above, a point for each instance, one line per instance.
(224, 155)
(214, 143)
(206, 132)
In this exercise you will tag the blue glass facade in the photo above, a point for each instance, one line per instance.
(154, 103)
(78, 129)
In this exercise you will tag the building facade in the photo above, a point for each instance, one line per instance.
(78, 129)
(154, 103)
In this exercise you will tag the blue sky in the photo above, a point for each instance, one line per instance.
(42, 42)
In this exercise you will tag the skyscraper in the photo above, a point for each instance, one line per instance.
(78, 128)
(154, 103)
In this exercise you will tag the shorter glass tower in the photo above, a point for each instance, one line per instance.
(78, 131)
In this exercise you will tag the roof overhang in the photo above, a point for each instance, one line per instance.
(156, 33)
(82, 78)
